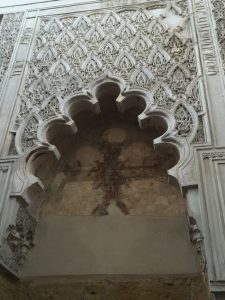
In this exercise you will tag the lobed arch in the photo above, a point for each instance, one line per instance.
(149, 115)
(28, 182)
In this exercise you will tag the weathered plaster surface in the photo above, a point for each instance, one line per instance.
(113, 245)
(114, 163)
(198, 116)
(105, 288)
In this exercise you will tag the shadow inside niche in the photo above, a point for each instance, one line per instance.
(110, 167)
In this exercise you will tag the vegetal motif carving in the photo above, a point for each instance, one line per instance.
(198, 240)
(126, 31)
(179, 77)
(163, 97)
(65, 37)
(184, 121)
(50, 109)
(25, 109)
(60, 69)
(131, 43)
(124, 61)
(78, 50)
(141, 16)
(48, 53)
(109, 46)
(172, 8)
(20, 239)
(82, 23)
(92, 64)
(175, 43)
(71, 85)
(30, 132)
(141, 42)
(142, 77)
(200, 134)
(95, 34)
(193, 95)
(8, 34)
(219, 13)
(54, 25)
(157, 29)
(111, 20)
(213, 155)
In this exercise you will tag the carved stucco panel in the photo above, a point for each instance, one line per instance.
(8, 35)
(137, 44)
(219, 15)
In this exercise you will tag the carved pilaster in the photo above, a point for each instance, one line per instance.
(6, 178)
(19, 34)
(18, 241)
(16, 224)
(212, 195)
(197, 239)
(8, 36)
(21, 235)
(7, 212)
(219, 14)
(211, 69)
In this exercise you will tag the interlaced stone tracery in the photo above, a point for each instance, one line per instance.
(8, 35)
(137, 44)
(219, 13)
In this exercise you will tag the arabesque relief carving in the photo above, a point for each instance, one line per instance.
(20, 237)
(18, 240)
(138, 49)
(219, 14)
(197, 239)
(136, 44)
(8, 35)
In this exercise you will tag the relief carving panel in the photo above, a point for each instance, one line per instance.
(8, 35)
(219, 14)
(139, 44)
(18, 241)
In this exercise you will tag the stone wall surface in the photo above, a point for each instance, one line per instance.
(164, 59)
(110, 164)
(105, 288)
(113, 245)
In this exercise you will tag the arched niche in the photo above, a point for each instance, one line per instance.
(123, 158)
(84, 116)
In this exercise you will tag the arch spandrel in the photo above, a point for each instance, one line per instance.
(165, 61)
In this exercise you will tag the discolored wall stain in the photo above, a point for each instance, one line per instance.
(104, 288)
(111, 167)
